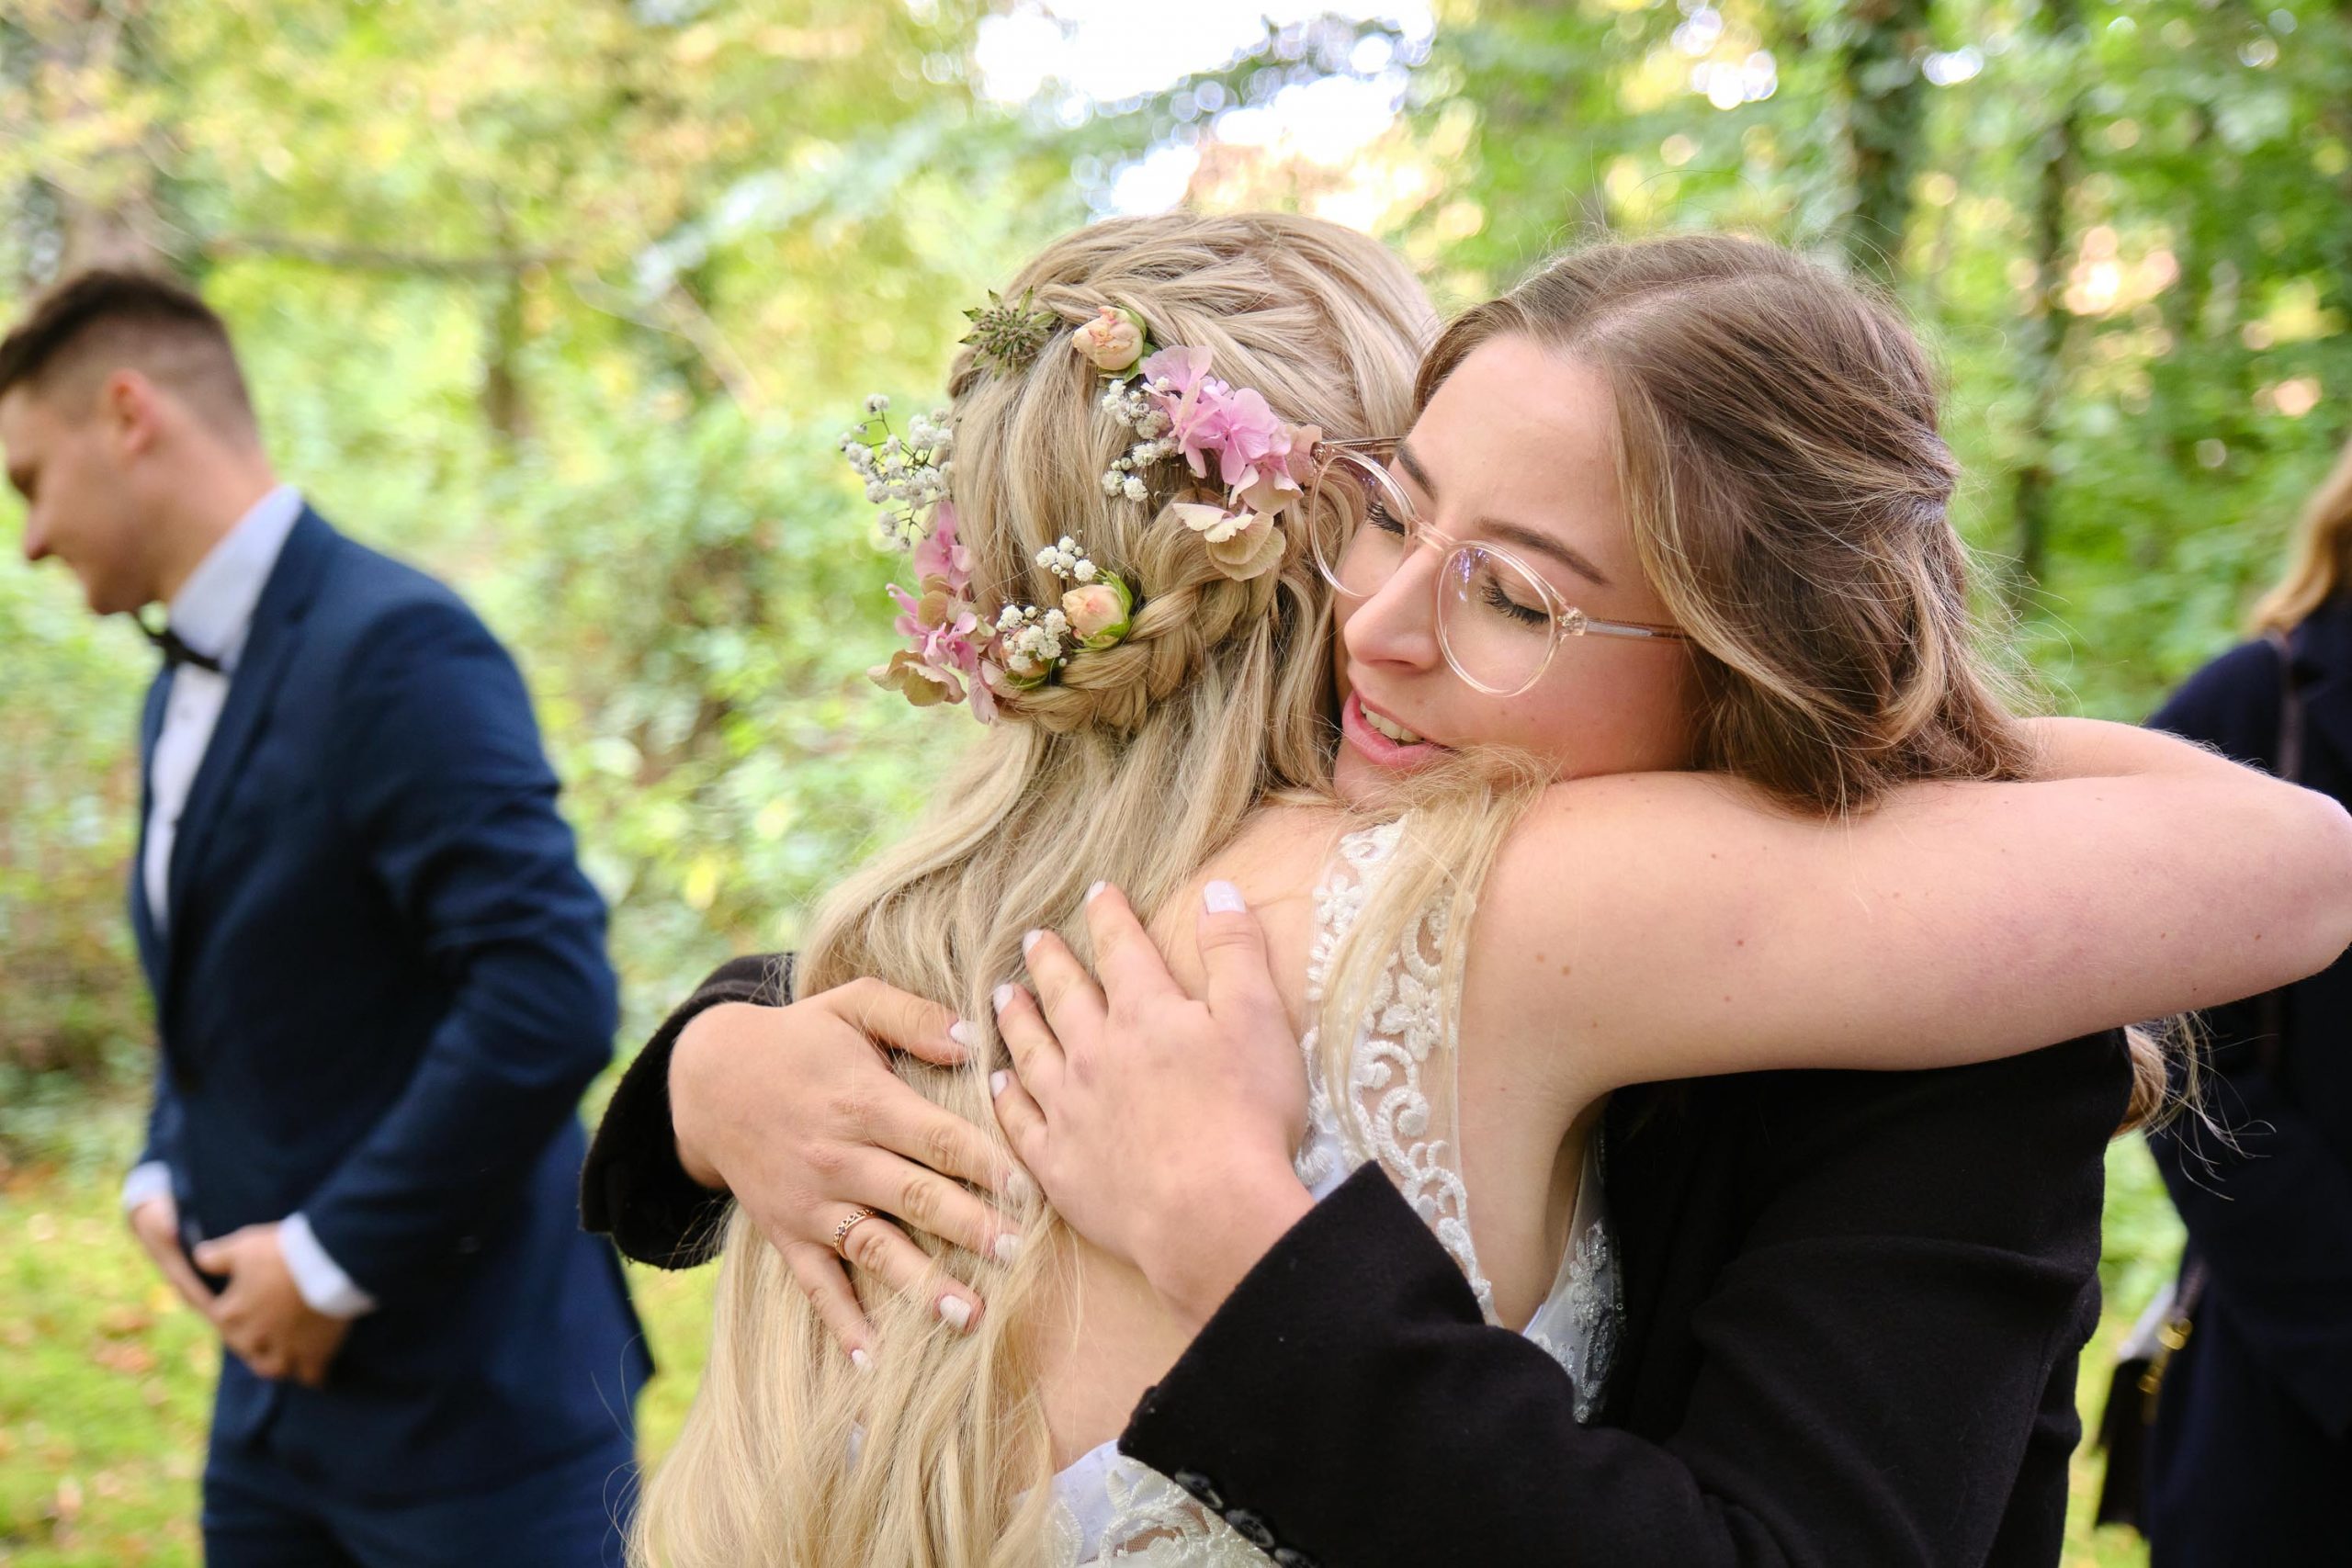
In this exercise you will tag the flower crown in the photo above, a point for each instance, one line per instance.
(1167, 397)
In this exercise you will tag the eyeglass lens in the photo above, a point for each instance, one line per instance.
(1495, 622)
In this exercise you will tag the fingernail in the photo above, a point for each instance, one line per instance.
(1223, 898)
(956, 1312)
(1007, 1247)
(1003, 997)
(861, 1361)
(962, 1033)
(1029, 942)
(1018, 1189)
(1096, 891)
(996, 1081)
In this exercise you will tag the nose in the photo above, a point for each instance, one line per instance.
(1397, 626)
(36, 538)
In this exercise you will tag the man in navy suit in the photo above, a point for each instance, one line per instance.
(379, 981)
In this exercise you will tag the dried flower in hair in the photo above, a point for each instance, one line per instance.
(1006, 335)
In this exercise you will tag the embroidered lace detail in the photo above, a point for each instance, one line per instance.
(1112, 1509)
(1323, 1161)
(1410, 1018)
(1582, 1319)
(1109, 1508)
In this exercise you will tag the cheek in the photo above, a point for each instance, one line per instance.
(1613, 717)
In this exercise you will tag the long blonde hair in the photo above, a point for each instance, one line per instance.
(2322, 554)
(1135, 765)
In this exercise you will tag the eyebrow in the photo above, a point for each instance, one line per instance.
(1525, 537)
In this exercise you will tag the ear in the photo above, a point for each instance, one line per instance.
(131, 407)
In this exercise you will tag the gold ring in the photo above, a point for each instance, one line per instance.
(841, 1232)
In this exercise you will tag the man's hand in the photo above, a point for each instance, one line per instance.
(261, 1313)
(156, 1223)
(796, 1112)
(1160, 1127)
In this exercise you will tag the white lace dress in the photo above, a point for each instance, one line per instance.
(1108, 1508)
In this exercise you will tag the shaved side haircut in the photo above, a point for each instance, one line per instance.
(103, 320)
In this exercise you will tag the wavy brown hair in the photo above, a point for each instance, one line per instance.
(1788, 488)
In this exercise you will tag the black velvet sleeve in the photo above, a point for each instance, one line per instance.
(632, 1185)
(1886, 1347)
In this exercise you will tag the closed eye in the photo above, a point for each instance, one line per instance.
(1526, 614)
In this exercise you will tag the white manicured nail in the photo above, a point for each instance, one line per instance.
(1096, 891)
(861, 1361)
(1223, 898)
(1007, 1247)
(1018, 1189)
(956, 1312)
(1029, 942)
(963, 1034)
(997, 1081)
(1003, 997)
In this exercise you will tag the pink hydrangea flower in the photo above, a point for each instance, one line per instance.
(940, 556)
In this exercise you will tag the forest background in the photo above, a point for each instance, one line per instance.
(569, 299)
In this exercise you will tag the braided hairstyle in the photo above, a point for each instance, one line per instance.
(1032, 443)
(1133, 763)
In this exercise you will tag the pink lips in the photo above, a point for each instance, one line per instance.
(1376, 748)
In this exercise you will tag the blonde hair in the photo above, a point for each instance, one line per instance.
(2323, 550)
(1135, 765)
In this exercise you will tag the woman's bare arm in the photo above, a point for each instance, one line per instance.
(1666, 926)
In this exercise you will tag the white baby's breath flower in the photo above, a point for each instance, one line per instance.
(877, 404)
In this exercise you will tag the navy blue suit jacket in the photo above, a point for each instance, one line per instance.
(380, 988)
(2254, 1430)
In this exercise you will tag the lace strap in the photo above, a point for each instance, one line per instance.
(1410, 1034)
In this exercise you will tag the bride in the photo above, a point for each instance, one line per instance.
(1656, 757)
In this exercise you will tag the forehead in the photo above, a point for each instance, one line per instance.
(1521, 433)
(1554, 415)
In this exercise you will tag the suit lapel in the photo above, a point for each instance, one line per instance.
(269, 648)
(142, 917)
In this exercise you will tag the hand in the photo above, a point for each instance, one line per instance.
(1160, 1127)
(261, 1313)
(795, 1109)
(156, 1223)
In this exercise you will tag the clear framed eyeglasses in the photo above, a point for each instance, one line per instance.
(1497, 622)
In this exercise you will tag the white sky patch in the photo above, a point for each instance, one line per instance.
(1105, 51)
(1156, 181)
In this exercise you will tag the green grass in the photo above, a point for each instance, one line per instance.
(106, 1380)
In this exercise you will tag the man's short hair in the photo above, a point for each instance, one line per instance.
(108, 319)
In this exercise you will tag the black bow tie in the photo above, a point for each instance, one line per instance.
(175, 652)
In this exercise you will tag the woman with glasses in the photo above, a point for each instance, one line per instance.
(1660, 752)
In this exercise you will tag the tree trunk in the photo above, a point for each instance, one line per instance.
(1886, 106)
(2043, 330)
(104, 210)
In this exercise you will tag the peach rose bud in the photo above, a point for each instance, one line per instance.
(1098, 612)
(1111, 341)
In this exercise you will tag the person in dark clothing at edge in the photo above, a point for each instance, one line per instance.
(2252, 1453)
(1852, 1302)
